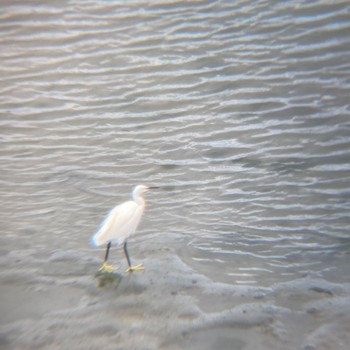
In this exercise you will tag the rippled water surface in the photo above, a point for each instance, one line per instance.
(239, 110)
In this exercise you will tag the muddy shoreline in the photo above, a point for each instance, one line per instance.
(61, 303)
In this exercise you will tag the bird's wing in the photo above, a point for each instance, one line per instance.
(119, 223)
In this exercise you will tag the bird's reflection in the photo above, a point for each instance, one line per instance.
(106, 278)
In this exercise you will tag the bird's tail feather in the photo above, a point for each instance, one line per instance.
(93, 241)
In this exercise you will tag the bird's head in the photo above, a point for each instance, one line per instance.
(139, 190)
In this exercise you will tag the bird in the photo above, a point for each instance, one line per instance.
(120, 223)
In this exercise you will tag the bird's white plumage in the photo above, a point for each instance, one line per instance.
(122, 220)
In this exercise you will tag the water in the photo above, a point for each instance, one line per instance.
(238, 110)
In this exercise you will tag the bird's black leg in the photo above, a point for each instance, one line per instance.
(107, 251)
(131, 268)
(126, 254)
(106, 267)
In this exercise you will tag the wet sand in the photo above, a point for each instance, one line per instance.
(59, 302)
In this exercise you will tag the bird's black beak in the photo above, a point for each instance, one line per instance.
(153, 188)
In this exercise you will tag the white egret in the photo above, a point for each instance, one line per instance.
(120, 223)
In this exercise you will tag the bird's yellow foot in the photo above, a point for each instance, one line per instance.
(108, 268)
(135, 268)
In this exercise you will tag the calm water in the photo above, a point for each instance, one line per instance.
(239, 110)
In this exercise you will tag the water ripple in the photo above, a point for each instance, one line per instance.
(240, 112)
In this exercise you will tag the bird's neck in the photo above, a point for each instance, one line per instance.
(139, 200)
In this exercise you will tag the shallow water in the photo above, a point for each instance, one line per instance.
(238, 110)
